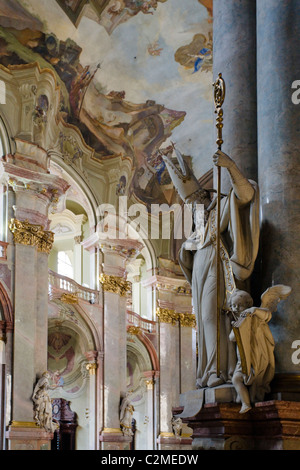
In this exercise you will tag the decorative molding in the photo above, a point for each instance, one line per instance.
(115, 284)
(32, 235)
(91, 367)
(69, 298)
(187, 319)
(167, 315)
(133, 330)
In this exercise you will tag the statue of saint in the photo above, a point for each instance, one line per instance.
(42, 404)
(126, 412)
(239, 239)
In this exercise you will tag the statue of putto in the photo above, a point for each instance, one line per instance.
(42, 404)
(255, 367)
(239, 240)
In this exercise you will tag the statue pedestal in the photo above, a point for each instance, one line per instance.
(28, 436)
(173, 442)
(114, 440)
(270, 425)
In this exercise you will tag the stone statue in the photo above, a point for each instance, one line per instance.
(239, 227)
(126, 412)
(42, 403)
(255, 367)
(177, 426)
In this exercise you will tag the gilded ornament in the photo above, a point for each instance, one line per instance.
(91, 367)
(187, 319)
(68, 298)
(134, 330)
(167, 315)
(32, 235)
(115, 284)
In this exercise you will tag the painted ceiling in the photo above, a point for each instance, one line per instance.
(135, 75)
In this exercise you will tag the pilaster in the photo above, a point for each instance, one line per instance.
(115, 255)
(33, 192)
(177, 353)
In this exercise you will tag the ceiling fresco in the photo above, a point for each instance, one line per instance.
(134, 75)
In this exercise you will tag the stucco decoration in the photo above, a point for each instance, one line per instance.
(129, 81)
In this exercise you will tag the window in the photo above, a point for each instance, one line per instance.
(64, 265)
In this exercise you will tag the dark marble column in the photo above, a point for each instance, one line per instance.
(234, 45)
(278, 66)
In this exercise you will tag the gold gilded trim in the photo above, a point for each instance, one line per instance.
(32, 235)
(167, 434)
(24, 424)
(91, 367)
(69, 298)
(133, 330)
(187, 319)
(167, 315)
(111, 431)
(115, 284)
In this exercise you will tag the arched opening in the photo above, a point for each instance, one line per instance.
(75, 222)
(71, 346)
(141, 393)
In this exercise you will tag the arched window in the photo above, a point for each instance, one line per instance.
(64, 264)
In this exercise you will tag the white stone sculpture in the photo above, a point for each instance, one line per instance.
(126, 412)
(177, 426)
(239, 233)
(255, 344)
(42, 404)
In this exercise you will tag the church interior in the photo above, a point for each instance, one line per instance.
(116, 115)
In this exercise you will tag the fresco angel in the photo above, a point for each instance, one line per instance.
(255, 367)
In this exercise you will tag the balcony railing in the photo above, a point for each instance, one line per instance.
(133, 319)
(59, 284)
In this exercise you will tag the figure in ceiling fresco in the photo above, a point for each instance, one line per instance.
(108, 122)
(196, 55)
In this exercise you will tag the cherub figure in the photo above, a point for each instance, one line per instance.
(255, 366)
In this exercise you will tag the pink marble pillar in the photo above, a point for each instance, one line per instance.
(32, 192)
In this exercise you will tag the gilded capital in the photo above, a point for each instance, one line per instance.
(32, 235)
(187, 319)
(91, 367)
(167, 315)
(115, 284)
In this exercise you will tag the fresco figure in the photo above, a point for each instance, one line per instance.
(239, 227)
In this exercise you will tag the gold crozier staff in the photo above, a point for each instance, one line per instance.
(219, 96)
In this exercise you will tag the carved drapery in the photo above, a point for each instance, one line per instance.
(32, 235)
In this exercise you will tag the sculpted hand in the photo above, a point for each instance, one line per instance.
(221, 159)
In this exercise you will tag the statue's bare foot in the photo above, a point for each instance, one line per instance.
(245, 407)
(214, 380)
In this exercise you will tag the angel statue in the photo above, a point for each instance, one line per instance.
(255, 367)
(239, 237)
(42, 403)
(126, 412)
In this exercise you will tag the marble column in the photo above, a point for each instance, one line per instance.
(33, 191)
(278, 67)
(115, 255)
(177, 346)
(234, 50)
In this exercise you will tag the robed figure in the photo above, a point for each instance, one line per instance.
(239, 239)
